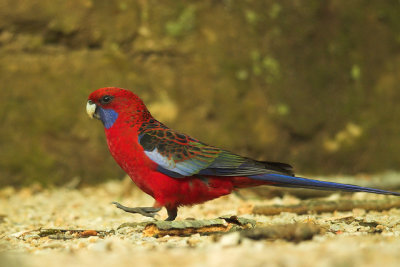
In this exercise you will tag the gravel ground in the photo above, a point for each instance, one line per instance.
(356, 238)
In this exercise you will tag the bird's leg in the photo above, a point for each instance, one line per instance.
(172, 213)
(145, 211)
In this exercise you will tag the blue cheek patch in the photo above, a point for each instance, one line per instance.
(108, 117)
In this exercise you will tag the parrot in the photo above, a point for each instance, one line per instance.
(178, 170)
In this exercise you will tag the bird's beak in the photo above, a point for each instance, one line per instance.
(91, 109)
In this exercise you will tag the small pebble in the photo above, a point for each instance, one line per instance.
(194, 240)
(93, 239)
(100, 246)
(231, 239)
(81, 245)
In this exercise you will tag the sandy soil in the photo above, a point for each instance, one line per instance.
(356, 238)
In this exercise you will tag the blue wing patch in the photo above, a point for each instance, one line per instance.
(175, 169)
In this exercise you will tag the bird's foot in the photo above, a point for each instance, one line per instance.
(172, 213)
(145, 211)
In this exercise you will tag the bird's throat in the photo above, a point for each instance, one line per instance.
(107, 117)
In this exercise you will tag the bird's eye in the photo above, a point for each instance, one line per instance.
(106, 99)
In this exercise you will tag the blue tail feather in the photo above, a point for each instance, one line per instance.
(299, 182)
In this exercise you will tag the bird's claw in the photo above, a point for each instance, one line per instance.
(145, 211)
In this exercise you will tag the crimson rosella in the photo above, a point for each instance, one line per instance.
(176, 169)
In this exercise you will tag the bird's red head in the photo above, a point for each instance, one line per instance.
(110, 104)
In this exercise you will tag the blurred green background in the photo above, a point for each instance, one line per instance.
(313, 83)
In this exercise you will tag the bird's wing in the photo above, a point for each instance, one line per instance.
(179, 155)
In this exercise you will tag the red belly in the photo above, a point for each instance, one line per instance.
(174, 192)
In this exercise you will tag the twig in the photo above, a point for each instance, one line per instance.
(291, 232)
(204, 227)
(314, 206)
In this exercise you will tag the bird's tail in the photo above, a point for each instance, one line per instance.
(299, 182)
